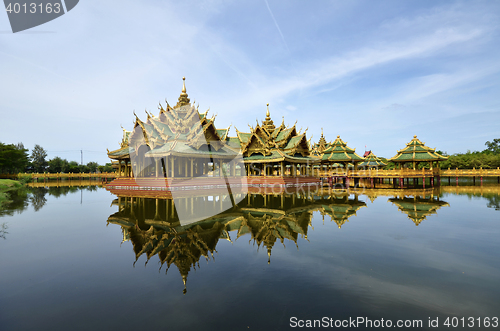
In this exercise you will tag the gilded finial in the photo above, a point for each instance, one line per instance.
(338, 136)
(184, 280)
(415, 136)
(183, 84)
(322, 132)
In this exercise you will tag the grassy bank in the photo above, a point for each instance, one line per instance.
(6, 186)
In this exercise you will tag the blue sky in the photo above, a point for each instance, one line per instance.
(374, 72)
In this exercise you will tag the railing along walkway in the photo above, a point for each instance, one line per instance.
(69, 175)
(409, 173)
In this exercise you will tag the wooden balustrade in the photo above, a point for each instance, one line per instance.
(62, 175)
(410, 173)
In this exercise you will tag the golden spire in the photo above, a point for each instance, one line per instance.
(184, 280)
(268, 123)
(183, 98)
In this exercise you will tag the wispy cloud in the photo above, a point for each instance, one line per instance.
(277, 26)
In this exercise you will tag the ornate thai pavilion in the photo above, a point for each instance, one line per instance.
(416, 152)
(372, 161)
(276, 151)
(179, 142)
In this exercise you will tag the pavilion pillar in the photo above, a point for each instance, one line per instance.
(172, 166)
(192, 168)
(294, 170)
(165, 161)
(157, 166)
(282, 171)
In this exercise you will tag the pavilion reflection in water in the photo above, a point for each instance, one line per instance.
(153, 227)
(418, 208)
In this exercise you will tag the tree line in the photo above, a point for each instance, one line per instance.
(489, 158)
(15, 159)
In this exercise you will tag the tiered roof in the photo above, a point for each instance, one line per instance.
(321, 146)
(341, 153)
(266, 142)
(418, 208)
(341, 209)
(180, 130)
(371, 160)
(416, 150)
(152, 231)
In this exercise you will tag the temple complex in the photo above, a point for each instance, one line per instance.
(183, 143)
(181, 147)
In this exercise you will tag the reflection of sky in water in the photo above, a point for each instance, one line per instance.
(65, 269)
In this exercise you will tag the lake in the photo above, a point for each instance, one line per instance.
(80, 258)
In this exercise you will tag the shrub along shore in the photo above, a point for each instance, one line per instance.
(6, 186)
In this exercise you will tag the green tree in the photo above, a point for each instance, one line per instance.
(73, 166)
(493, 146)
(56, 164)
(108, 168)
(84, 168)
(13, 158)
(38, 159)
(92, 166)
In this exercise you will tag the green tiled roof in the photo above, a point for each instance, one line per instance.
(180, 148)
(371, 160)
(243, 136)
(283, 134)
(294, 141)
(416, 150)
(120, 152)
(276, 156)
(340, 152)
(162, 127)
(222, 133)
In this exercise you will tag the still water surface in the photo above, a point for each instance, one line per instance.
(82, 259)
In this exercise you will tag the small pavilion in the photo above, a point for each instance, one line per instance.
(340, 153)
(275, 151)
(416, 152)
(372, 161)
